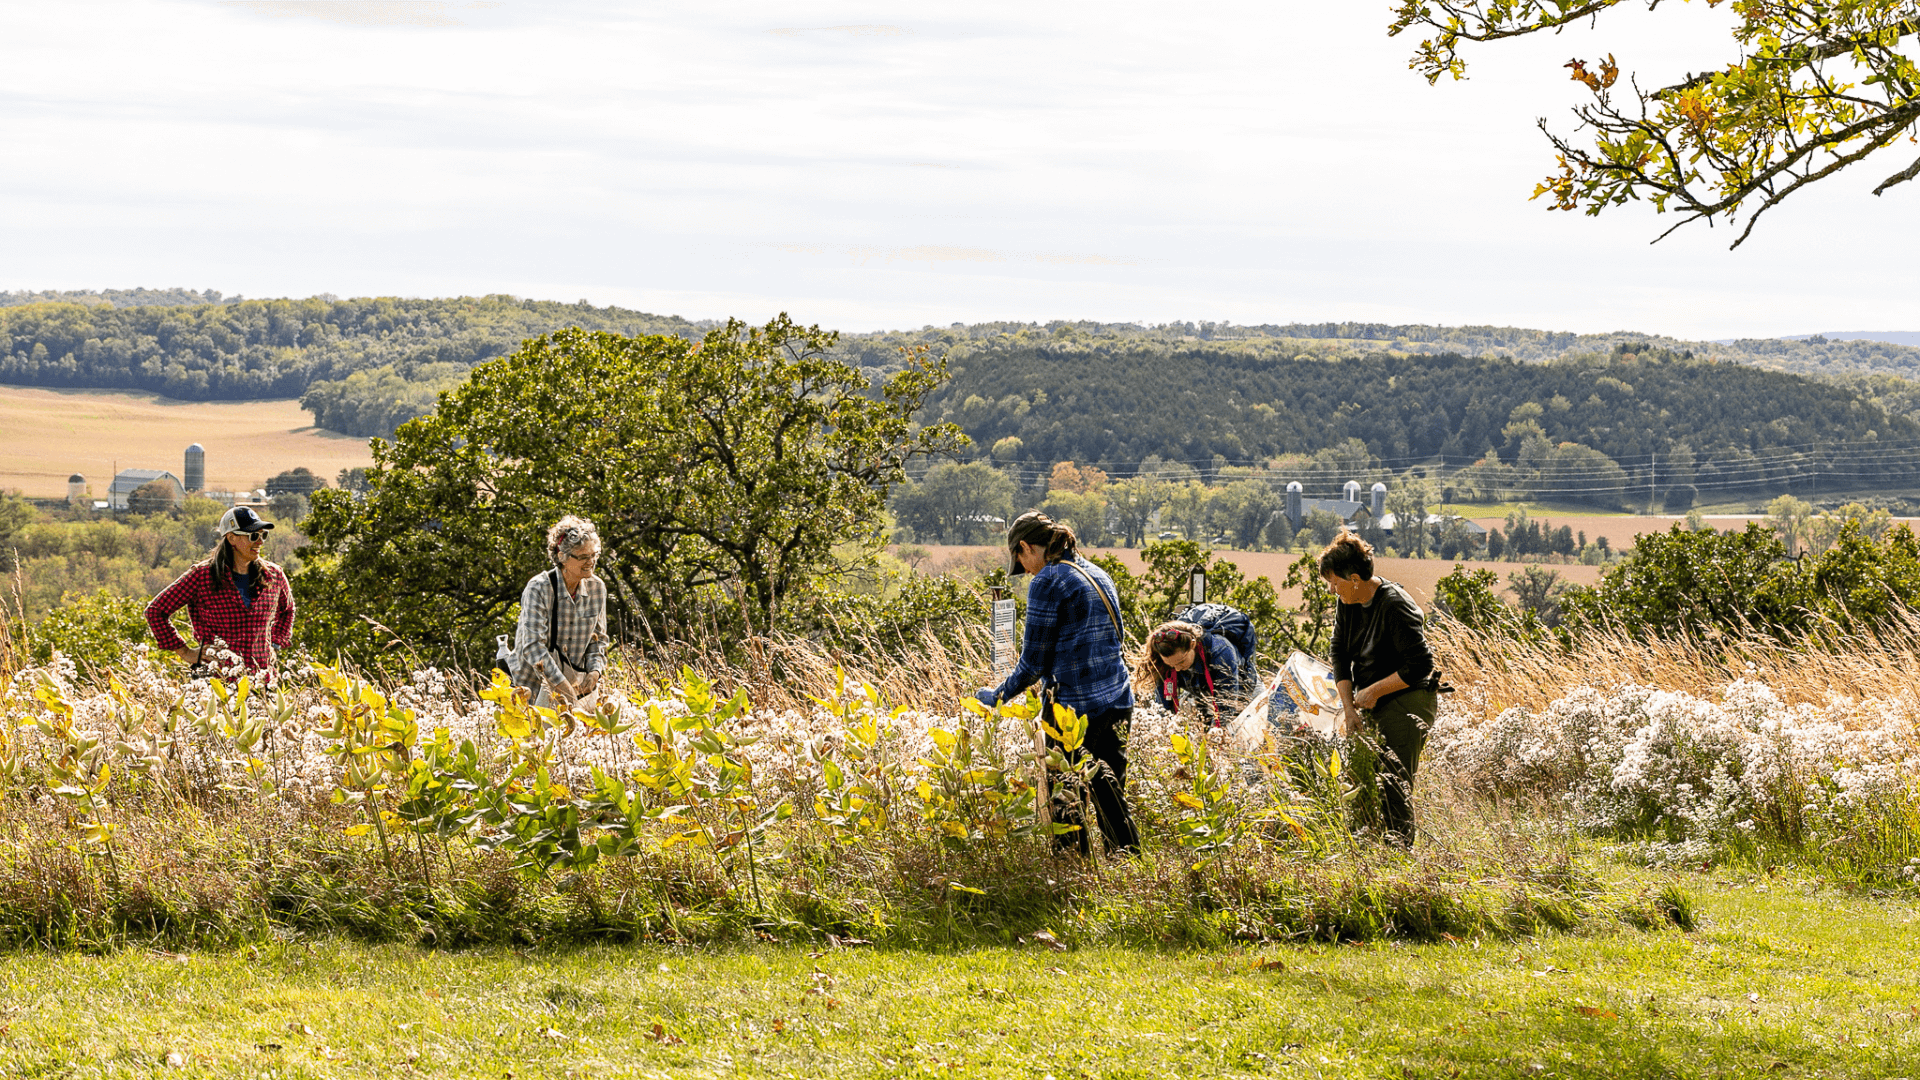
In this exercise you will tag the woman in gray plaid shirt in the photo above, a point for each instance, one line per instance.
(559, 659)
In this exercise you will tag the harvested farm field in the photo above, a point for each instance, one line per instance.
(49, 435)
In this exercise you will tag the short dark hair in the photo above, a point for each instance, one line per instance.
(1346, 556)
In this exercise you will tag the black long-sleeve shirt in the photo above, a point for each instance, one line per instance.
(1384, 635)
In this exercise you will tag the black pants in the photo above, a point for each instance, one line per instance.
(1109, 784)
(1403, 721)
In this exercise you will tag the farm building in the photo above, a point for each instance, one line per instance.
(1348, 509)
(130, 480)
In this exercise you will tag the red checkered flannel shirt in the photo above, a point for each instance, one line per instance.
(252, 631)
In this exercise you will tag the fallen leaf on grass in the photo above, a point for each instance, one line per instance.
(1597, 1013)
(176, 1060)
(1269, 965)
(664, 1037)
(265, 1047)
(1056, 971)
(178, 958)
(779, 1026)
(846, 942)
(1046, 939)
(551, 1033)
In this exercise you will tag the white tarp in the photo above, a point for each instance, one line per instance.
(1300, 695)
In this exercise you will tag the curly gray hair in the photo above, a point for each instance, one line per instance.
(568, 535)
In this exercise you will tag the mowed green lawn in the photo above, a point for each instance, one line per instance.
(1784, 980)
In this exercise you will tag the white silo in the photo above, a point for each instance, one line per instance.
(1350, 491)
(1294, 499)
(196, 470)
(1379, 501)
(76, 488)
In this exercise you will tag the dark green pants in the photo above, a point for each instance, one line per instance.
(1402, 722)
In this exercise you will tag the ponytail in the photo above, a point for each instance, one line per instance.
(1036, 528)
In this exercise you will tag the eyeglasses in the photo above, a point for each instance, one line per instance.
(585, 556)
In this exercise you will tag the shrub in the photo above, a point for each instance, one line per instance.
(92, 630)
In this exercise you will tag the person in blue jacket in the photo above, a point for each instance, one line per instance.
(1073, 644)
(1183, 659)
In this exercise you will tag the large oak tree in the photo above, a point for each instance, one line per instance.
(720, 471)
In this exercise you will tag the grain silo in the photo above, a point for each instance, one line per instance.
(76, 488)
(1379, 506)
(196, 470)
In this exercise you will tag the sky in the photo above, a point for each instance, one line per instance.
(884, 165)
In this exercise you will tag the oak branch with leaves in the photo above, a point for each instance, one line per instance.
(1817, 86)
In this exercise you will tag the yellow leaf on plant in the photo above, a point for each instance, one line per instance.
(1185, 798)
(358, 830)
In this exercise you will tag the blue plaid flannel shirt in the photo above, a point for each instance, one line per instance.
(1071, 643)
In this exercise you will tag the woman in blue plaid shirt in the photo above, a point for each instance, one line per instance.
(1073, 643)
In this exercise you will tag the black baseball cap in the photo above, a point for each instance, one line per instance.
(242, 519)
(1024, 528)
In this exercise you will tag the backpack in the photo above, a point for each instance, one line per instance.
(1229, 622)
(503, 651)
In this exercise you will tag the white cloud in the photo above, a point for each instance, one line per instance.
(877, 164)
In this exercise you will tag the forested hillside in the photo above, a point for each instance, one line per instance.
(1810, 356)
(117, 297)
(1111, 392)
(1088, 400)
(283, 348)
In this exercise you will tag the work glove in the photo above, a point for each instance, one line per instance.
(987, 696)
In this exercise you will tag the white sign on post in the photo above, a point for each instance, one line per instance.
(1003, 654)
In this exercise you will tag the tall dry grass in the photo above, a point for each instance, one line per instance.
(201, 855)
(1509, 671)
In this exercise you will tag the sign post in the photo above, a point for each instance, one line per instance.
(1197, 585)
(1004, 613)
(1003, 651)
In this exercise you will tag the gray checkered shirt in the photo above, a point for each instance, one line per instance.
(582, 617)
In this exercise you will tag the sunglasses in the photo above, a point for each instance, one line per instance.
(258, 536)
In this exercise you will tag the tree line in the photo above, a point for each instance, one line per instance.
(285, 348)
(1601, 426)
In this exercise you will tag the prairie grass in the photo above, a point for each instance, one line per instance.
(1509, 671)
(192, 821)
(182, 821)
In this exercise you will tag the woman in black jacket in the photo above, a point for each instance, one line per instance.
(1382, 667)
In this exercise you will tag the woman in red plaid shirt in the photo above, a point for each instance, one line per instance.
(235, 596)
